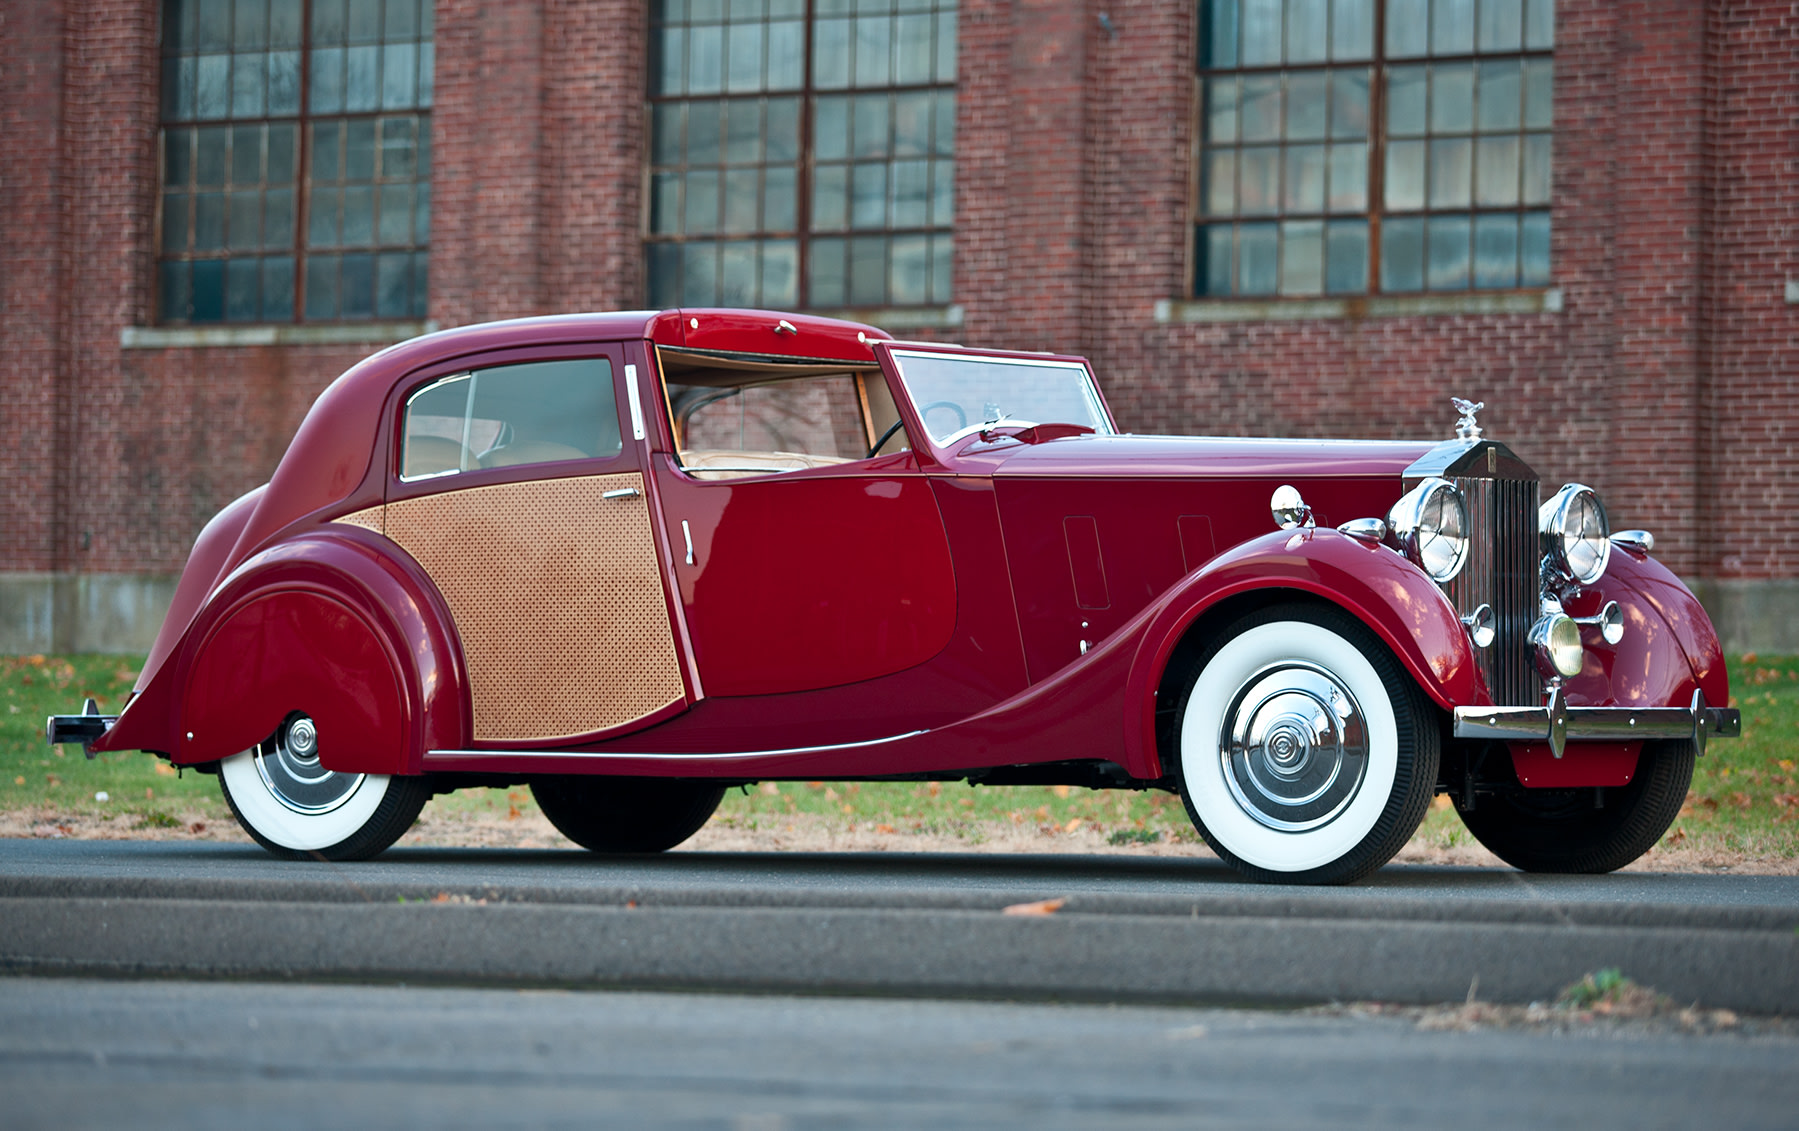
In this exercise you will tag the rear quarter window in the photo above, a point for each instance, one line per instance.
(511, 415)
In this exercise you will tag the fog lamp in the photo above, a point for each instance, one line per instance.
(1556, 639)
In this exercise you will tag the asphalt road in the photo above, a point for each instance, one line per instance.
(1152, 930)
(79, 1053)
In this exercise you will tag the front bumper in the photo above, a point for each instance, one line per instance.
(84, 728)
(1559, 724)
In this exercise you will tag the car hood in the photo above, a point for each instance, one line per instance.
(1200, 456)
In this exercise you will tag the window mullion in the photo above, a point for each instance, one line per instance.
(1377, 144)
(303, 163)
(802, 205)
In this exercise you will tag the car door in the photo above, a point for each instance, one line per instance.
(515, 490)
(802, 562)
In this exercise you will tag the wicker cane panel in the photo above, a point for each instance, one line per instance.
(368, 519)
(557, 596)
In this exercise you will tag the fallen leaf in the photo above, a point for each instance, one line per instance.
(197, 827)
(1073, 824)
(20, 780)
(149, 794)
(888, 829)
(1059, 790)
(512, 813)
(934, 788)
(769, 788)
(165, 770)
(1040, 907)
(1749, 657)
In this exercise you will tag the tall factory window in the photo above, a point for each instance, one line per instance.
(1373, 146)
(296, 160)
(802, 152)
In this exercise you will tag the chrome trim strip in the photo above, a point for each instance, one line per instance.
(621, 493)
(636, 402)
(743, 755)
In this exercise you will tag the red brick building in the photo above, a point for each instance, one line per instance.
(1271, 217)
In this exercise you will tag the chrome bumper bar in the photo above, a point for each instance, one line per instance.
(1559, 724)
(83, 728)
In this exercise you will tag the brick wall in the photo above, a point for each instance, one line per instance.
(1751, 413)
(1665, 381)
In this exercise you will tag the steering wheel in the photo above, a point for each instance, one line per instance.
(961, 416)
(885, 436)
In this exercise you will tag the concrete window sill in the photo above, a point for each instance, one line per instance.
(900, 317)
(1546, 301)
(302, 334)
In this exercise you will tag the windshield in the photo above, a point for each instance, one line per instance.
(958, 394)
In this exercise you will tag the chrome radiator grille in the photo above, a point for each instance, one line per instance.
(1502, 572)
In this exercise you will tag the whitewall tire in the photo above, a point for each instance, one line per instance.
(1307, 754)
(295, 808)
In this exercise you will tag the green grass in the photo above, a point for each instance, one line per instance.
(1744, 801)
(1745, 795)
(957, 809)
(139, 787)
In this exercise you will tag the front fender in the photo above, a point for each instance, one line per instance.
(1398, 603)
(1669, 646)
(337, 625)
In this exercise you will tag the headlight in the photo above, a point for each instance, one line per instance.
(1576, 534)
(1556, 640)
(1430, 526)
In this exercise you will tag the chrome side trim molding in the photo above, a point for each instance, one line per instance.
(616, 756)
(1559, 724)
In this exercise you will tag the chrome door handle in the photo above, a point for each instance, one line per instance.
(687, 533)
(621, 493)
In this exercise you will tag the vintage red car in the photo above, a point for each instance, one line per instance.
(633, 559)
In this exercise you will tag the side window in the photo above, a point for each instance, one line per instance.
(730, 430)
(539, 412)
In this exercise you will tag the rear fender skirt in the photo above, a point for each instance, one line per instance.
(1383, 590)
(336, 624)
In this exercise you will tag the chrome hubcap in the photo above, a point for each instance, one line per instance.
(1295, 747)
(290, 768)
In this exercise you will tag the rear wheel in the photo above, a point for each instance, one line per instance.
(1569, 830)
(291, 805)
(615, 814)
(1307, 753)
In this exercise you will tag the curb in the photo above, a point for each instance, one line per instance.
(1302, 948)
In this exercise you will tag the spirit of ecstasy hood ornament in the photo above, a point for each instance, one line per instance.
(1466, 428)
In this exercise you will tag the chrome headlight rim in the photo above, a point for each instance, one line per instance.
(1419, 532)
(1582, 555)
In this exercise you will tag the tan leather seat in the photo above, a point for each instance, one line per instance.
(529, 451)
(432, 455)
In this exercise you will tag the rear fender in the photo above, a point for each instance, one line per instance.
(336, 625)
(1375, 584)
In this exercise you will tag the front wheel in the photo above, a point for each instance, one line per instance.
(1307, 754)
(616, 814)
(291, 805)
(1579, 831)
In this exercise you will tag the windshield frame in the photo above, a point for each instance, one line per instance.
(896, 354)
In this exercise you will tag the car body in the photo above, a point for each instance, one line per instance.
(633, 558)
